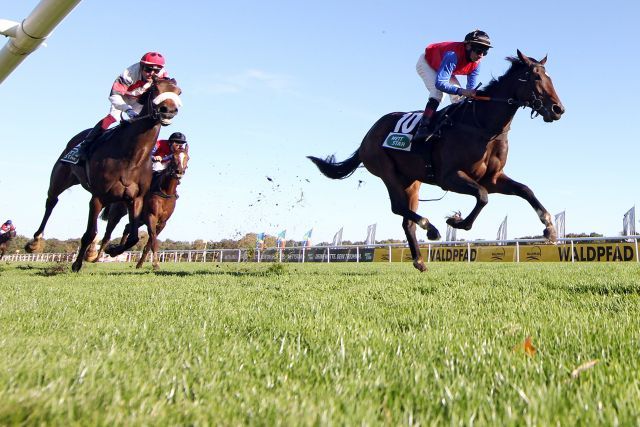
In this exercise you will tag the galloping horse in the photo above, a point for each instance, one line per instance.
(159, 204)
(4, 241)
(468, 158)
(119, 168)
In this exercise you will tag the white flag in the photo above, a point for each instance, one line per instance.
(502, 230)
(451, 233)
(560, 225)
(337, 238)
(371, 235)
(629, 223)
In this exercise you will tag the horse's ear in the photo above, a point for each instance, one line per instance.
(523, 58)
(543, 60)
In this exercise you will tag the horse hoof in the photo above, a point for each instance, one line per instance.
(75, 267)
(34, 246)
(550, 234)
(432, 234)
(420, 265)
(113, 250)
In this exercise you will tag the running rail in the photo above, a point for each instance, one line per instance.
(27, 36)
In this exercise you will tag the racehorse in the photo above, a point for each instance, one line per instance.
(159, 204)
(468, 157)
(119, 168)
(5, 238)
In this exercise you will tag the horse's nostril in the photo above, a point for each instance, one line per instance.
(557, 109)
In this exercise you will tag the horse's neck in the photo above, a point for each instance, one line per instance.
(170, 185)
(499, 115)
(144, 136)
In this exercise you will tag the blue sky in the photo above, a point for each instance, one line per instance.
(267, 83)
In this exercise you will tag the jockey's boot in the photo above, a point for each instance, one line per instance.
(87, 142)
(424, 128)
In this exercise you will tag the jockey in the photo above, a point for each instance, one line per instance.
(125, 91)
(7, 227)
(162, 153)
(438, 67)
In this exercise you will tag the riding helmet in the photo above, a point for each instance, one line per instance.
(478, 37)
(178, 137)
(153, 58)
(9, 222)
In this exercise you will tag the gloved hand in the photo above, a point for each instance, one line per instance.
(131, 113)
(469, 93)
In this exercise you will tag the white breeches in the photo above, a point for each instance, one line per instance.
(429, 75)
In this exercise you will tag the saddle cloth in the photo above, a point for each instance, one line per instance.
(73, 155)
(403, 132)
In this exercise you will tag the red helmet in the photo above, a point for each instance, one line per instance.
(153, 58)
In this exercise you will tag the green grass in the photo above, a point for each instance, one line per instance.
(319, 344)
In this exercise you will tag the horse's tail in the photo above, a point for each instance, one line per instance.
(337, 170)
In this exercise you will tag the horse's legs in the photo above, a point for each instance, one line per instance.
(145, 251)
(95, 206)
(152, 243)
(61, 179)
(400, 205)
(114, 219)
(135, 209)
(460, 182)
(506, 185)
(410, 227)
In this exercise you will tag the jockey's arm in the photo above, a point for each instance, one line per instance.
(118, 91)
(448, 64)
(472, 78)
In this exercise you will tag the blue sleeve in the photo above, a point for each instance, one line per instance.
(449, 62)
(472, 79)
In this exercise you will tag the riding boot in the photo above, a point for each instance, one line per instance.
(424, 128)
(87, 142)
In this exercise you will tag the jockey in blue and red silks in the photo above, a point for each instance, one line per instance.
(125, 91)
(438, 67)
(7, 227)
(162, 153)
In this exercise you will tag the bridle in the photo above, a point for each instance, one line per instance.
(534, 101)
(170, 172)
(152, 102)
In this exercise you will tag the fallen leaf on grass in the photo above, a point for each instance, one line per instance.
(587, 365)
(526, 346)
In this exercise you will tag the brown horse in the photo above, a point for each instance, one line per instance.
(159, 204)
(119, 168)
(468, 157)
(4, 241)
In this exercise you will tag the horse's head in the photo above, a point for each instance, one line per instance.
(536, 89)
(165, 100)
(178, 165)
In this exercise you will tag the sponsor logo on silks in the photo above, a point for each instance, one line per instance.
(398, 141)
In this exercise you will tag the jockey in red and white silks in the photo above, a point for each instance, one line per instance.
(131, 84)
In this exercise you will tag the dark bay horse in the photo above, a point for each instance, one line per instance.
(119, 168)
(4, 241)
(159, 204)
(468, 157)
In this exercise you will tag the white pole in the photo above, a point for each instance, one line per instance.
(517, 251)
(27, 36)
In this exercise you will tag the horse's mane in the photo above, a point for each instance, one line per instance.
(516, 65)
